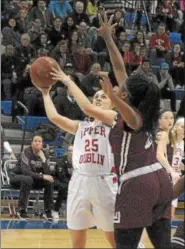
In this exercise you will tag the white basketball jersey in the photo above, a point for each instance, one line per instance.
(178, 155)
(92, 152)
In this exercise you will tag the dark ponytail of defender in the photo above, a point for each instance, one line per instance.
(144, 95)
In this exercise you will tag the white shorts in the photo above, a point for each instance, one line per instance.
(175, 203)
(91, 202)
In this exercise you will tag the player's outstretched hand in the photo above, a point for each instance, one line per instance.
(106, 84)
(106, 27)
(59, 75)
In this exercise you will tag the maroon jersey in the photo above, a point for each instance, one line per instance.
(131, 149)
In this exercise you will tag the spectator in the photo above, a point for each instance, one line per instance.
(84, 38)
(91, 8)
(24, 52)
(69, 26)
(60, 53)
(166, 85)
(73, 42)
(125, 48)
(22, 21)
(11, 34)
(60, 8)
(6, 149)
(66, 163)
(95, 21)
(79, 14)
(121, 38)
(144, 70)
(133, 59)
(140, 38)
(119, 18)
(67, 106)
(81, 61)
(33, 172)
(176, 63)
(42, 13)
(35, 30)
(9, 65)
(57, 33)
(159, 44)
(44, 43)
(90, 83)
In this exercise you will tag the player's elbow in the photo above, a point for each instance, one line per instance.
(53, 118)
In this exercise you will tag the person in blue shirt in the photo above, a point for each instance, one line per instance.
(60, 8)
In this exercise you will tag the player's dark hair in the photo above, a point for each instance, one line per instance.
(144, 95)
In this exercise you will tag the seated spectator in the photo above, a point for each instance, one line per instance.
(43, 42)
(41, 12)
(95, 21)
(125, 48)
(79, 14)
(144, 70)
(81, 60)
(166, 85)
(73, 42)
(159, 44)
(24, 52)
(133, 59)
(90, 83)
(84, 38)
(167, 14)
(33, 172)
(6, 149)
(67, 106)
(57, 33)
(139, 39)
(10, 33)
(91, 9)
(60, 53)
(119, 18)
(69, 26)
(22, 21)
(35, 30)
(176, 63)
(121, 38)
(60, 8)
(66, 163)
(9, 67)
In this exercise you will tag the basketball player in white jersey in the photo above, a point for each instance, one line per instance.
(93, 186)
(178, 134)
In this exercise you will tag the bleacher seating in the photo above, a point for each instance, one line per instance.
(6, 107)
(32, 122)
(130, 17)
(175, 38)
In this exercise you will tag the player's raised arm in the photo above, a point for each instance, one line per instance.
(64, 123)
(106, 116)
(116, 59)
(127, 112)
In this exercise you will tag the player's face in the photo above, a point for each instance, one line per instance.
(102, 100)
(179, 128)
(166, 121)
(37, 143)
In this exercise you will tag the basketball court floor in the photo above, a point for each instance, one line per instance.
(43, 234)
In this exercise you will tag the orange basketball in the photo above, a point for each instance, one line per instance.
(40, 71)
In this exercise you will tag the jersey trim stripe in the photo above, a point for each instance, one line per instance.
(126, 151)
(122, 151)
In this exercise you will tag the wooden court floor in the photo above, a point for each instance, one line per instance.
(51, 238)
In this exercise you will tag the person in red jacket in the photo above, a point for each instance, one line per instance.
(159, 43)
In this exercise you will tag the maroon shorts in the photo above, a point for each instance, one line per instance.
(144, 199)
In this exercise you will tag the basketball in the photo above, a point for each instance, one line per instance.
(40, 71)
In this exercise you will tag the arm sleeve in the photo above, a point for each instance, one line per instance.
(7, 147)
(26, 167)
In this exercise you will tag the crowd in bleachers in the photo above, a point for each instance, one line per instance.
(66, 31)
(149, 35)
